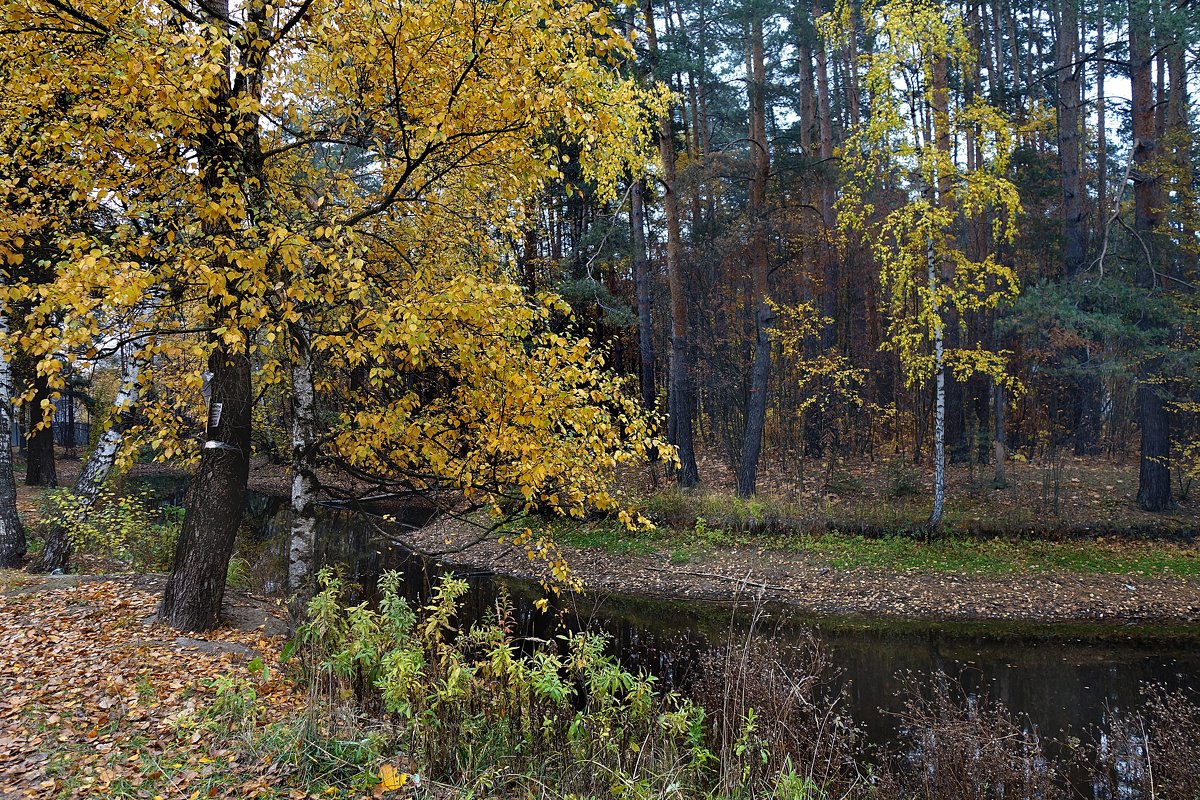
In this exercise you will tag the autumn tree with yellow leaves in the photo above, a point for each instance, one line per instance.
(929, 280)
(301, 191)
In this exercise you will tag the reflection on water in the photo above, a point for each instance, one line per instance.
(1063, 679)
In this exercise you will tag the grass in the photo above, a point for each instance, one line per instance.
(994, 556)
(957, 554)
(982, 535)
(605, 534)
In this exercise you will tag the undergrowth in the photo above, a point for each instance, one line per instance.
(407, 701)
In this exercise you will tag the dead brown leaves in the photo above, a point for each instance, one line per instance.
(92, 696)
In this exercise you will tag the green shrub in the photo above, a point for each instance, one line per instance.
(125, 527)
(474, 708)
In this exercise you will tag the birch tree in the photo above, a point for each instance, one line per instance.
(927, 279)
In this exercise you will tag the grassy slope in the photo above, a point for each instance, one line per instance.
(1077, 517)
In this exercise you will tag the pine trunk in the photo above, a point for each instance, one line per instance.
(1101, 132)
(682, 407)
(1069, 70)
(829, 265)
(756, 405)
(804, 55)
(1154, 475)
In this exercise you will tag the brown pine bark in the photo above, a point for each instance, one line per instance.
(1085, 397)
(804, 58)
(1069, 72)
(760, 159)
(681, 408)
(1101, 131)
(1154, 475)
(1179, 140)
(829, 265)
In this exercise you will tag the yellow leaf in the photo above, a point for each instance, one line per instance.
(391, 779)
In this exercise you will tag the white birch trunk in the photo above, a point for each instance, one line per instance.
(99, 465)
(97, 468)
(939, 409)
(305, 485)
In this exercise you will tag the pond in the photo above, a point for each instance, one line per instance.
(1062, 678)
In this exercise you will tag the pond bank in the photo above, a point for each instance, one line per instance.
(1111, 582)
(805, 582)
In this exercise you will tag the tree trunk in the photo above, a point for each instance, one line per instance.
(682, 406)
(1154, 472)
(69, 436)
(829, 265)
(641, 276)
(1087, 386)
(1086, 394)
(1154, 475)
(939, 408)
(1180, 141)
(1018, 75)
(216, 499)
(95, 472)
(804, 56)
(305, 484)
(529, 253)
(999, 444)
(760, 157)
(39, 455)
(12, 532)
(1101, 132)
(1068, 73)
(1088, 422)
(938, 273)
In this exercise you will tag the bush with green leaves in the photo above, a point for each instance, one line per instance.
(474, 709)
(125, 527)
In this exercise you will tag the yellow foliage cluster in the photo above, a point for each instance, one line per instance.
(272, 177)
(917, 44)
(827, 378)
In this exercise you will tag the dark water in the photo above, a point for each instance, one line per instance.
(1062, 679)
